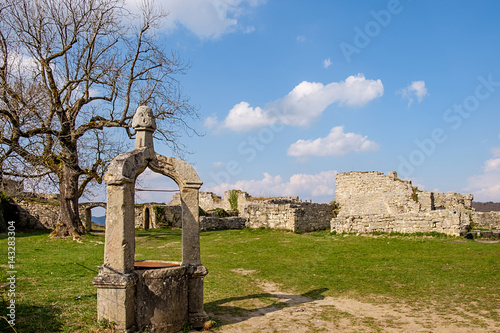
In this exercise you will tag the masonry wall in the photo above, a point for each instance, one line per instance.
(11, 187)
(216, 223)
(443, 221)
(273, 216)
(313, 216)
(486, 220)
(372, 201)
(36, 215)
(301, 216)
(209, 200)
(360, 193)
(161, 215)
(140, 214)
(451, 200)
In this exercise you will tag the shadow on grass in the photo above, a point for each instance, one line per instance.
(33, 318)
(159, 233)
(230, 310)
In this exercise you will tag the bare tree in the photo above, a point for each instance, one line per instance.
(72, 72)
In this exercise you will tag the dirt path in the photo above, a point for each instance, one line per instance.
(283, 312)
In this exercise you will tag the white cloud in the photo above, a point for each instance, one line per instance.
(242, 116)
(416, 90)
(210, 122)
(249, 29)
(486, 186)
(327, 63)
(495, 151)
(301, 38)
(219, 164)
(492, 165)
(207, 19)
(336, 143)
(304, 104)
(320, 186)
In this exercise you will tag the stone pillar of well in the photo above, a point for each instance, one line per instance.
(191, 253)
(116, 280)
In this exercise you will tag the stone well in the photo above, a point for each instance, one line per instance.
(166, 296)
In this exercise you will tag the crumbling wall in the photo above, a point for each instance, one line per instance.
(272, 216)
(11, 187)
(141, 210)
(425, 200)
(372, 201)
(289, 213)
(160, 215)
(449, 222)
(360, 193)
(313, 216)
(295, 216)
(485, 220)
(218, 223)
(209, 200)
(451, 200)
(34, 214)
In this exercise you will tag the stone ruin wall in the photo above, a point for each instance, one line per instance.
(451, 200)
(167, 215)
(372, 201)
(361, 193)
(301, 216)
(216, 223)
(485, 220)
(369, 201)
(288, 213)
(38, 215)
(443, 221)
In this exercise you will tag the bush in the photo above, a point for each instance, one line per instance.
(220, 212)
(159, 212)
(233, 200)
(201, 211)
(335, 204)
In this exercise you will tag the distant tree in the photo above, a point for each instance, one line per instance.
(70, 72)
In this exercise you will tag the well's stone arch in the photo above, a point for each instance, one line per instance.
(120, 178)
(117, 279)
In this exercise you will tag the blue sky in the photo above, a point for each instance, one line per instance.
(290, 93)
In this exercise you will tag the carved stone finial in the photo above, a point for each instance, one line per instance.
(144, 124)
(144, 118)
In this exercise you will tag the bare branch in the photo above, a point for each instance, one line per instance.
(71, 73)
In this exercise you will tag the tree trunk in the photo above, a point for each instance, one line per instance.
(69, 218)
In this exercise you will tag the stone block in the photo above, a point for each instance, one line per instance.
(116, 298)
(162, 299)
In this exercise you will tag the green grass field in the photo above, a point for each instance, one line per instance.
(54, 291)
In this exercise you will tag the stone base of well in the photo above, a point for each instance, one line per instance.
(116, 298)
(162, 299)
(152, 299)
